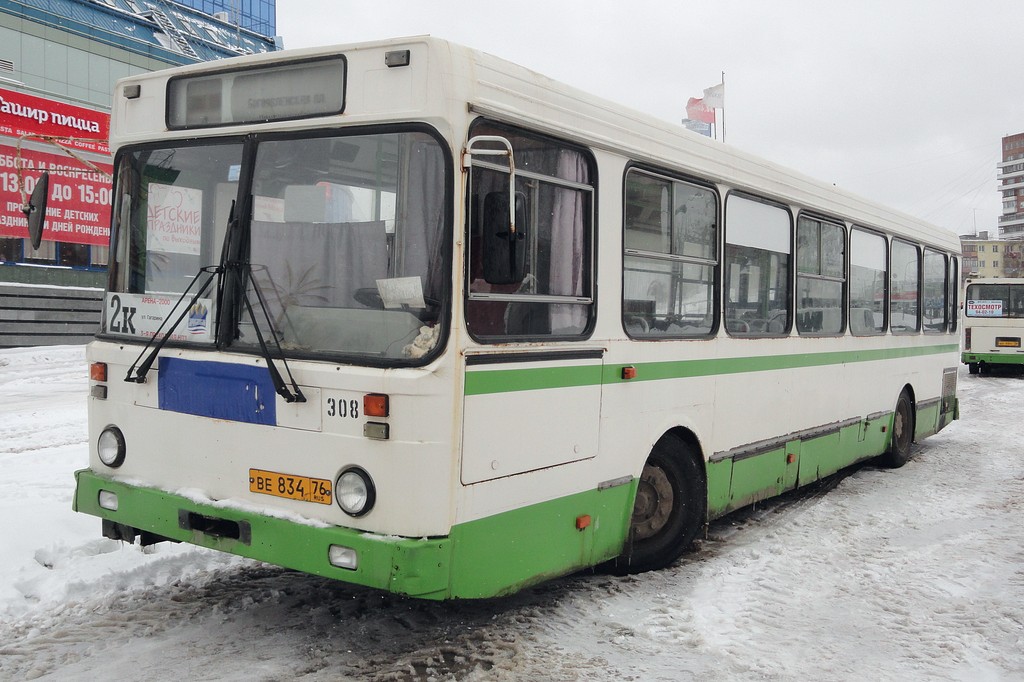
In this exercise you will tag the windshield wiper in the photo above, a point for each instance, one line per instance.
(237, 275)
(275, 376)
(244, 277)
(143, 367)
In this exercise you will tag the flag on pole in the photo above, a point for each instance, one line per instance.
(714, 96)
(697, 110)
(697, 126)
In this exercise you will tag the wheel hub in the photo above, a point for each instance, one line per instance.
(654, 500)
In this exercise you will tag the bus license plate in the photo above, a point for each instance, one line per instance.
(1007, 342)
(302, 488)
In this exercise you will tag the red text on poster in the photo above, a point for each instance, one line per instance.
(78, 206)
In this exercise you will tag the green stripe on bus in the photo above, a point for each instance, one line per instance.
(510, 380)
(507, 380)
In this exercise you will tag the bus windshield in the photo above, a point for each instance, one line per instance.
(343, 236)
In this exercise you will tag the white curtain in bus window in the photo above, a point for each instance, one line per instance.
(867, 283)
(669, 237)
(935, 289)
(757, 254)
(904, 312)
(820, 255)
(568, 250)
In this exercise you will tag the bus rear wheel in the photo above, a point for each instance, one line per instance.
(902, 433)
(669, 510)
(972, 367)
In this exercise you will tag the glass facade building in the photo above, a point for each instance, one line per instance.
(258, 16)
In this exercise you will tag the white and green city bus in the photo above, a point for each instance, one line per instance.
(409, 316)
(993, 323)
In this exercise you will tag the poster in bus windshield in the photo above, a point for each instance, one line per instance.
(174, 219)
(984, 308)
(141, 315)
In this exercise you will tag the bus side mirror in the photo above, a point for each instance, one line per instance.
(35, 210)
(504, 248)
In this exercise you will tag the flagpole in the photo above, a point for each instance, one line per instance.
(723, 109)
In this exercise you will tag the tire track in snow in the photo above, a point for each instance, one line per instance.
(914, 573)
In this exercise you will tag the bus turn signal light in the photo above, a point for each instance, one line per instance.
(629, 372)
(375, 405)
(98, 371)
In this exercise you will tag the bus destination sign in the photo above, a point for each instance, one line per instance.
(257, 95)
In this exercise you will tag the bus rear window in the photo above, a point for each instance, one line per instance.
(995, 300)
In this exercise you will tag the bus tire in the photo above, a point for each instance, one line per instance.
(972, 367)
(669, 510)
(902, 433)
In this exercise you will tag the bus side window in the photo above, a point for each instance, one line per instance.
(867, 282)
(538, 282)
(935, 292)
(670, 238)
(757, 262)
(821, 276)
(904, 288)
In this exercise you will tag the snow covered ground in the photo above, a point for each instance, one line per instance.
(913, 574)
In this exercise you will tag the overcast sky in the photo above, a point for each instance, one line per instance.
(902, 101)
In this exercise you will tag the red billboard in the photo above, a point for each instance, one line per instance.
(78, 209)
(22, 114)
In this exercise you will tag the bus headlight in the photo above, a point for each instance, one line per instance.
(354, 491)
(110, 447)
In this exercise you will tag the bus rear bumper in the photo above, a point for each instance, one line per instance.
(415, 567)
(992, 358)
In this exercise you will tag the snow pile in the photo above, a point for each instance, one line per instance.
(916, 573)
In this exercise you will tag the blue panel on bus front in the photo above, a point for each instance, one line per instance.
(221, 390)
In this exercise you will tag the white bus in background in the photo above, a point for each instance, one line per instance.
(410, 316)
(993, 323)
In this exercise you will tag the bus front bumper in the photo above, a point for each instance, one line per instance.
(415, 567)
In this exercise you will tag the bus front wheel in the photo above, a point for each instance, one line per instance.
(902, 433)
(972, 367)
(669, 510)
